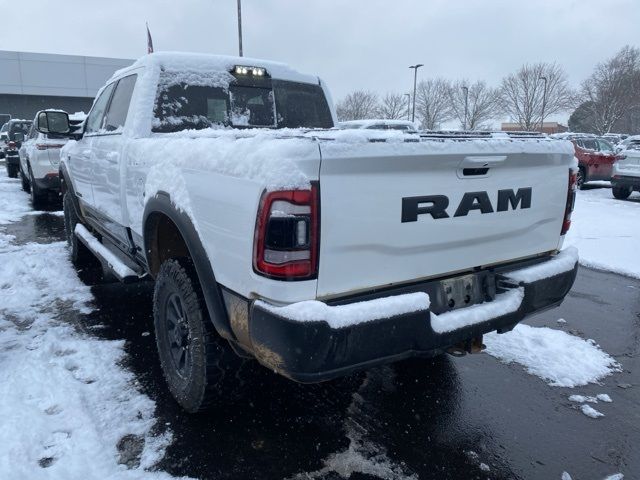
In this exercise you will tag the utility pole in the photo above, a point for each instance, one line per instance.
(240, 27)
(408, 95)
(466, 105)
(544, 102)
(415, 79)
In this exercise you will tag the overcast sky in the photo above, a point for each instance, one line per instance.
(351, 44)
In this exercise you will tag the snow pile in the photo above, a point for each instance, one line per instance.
(341, 316)
(606, 231)
(69, 409)
(589, 411)
(13, 202)
(558, 358)
(503, 304)
(561, 263)
(603, 397)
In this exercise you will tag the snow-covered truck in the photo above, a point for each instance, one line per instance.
(316, 251)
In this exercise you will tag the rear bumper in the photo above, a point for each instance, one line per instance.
(626, 181)
(49, 182)
(312, 351)
(12, 158)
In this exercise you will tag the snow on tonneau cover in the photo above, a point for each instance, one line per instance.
(374, 228)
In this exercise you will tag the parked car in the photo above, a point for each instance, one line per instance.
(626, 142)
(615, 138)
(16, 131)
(626, 172)
(271, 236)
(595, 156)
(3, 138)
(379, 124)
(39, 161)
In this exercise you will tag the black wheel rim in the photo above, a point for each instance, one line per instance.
(178, 335)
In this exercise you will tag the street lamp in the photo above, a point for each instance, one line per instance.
(544, 101)
(466, 105)
(240, 27)
(415, 78)
(408, 95)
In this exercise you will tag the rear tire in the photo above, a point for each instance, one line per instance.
(26, 186)
(38, 197)
(199, 367)
(80, 255)
(621, 193)
(580, 180)
(12, 171)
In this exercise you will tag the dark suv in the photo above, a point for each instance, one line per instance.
(16, 131)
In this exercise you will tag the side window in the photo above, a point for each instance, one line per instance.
(119, 106)
(95, 118)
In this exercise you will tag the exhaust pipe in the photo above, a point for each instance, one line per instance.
(474, 345)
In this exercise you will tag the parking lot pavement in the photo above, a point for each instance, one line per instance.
(445, 418)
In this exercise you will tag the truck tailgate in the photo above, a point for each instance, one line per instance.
(383, 215)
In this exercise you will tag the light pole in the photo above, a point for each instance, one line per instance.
(415, 79)
(408, 95)
(544, 101)
(240, 27)
(466, 105)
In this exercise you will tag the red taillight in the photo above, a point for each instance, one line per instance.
(571, 201)
(287, 234)
(12, 145)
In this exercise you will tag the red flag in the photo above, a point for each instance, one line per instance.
(149, 41)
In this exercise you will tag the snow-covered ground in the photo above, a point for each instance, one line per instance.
(607, 231)
(557, 357)
(69, 409)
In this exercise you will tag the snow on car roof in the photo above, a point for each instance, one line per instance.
(374, 121)
(208, 62)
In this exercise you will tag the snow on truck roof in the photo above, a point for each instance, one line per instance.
(208, 63)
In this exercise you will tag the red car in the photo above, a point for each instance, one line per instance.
(595, 158)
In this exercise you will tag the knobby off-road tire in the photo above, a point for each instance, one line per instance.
(199, 367)
(580, 178)
(621, 193)
(80, 255)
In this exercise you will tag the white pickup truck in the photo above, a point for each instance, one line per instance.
(316, 251)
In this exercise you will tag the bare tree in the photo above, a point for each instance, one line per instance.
(433, 103)
(613, 89)
(357, 106)
(482, 104)
(393, 106)
(523, 97)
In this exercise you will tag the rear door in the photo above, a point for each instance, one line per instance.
(485, 208)
(107, 154)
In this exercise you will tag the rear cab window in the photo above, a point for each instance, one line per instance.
(119, 106)
(196, 100)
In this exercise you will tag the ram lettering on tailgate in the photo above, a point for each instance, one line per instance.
(436, 205)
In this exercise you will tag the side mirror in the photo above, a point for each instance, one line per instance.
(53, 122)
(18, 137)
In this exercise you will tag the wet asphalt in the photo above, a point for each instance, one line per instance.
(444, 418)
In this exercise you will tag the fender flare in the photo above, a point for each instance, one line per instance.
(161, 203)
(67, 184)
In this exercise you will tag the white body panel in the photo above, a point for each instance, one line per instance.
(629, 166)
(364, 244)
(41, 162)
(217, 178)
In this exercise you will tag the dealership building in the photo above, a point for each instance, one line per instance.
(34, 81)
